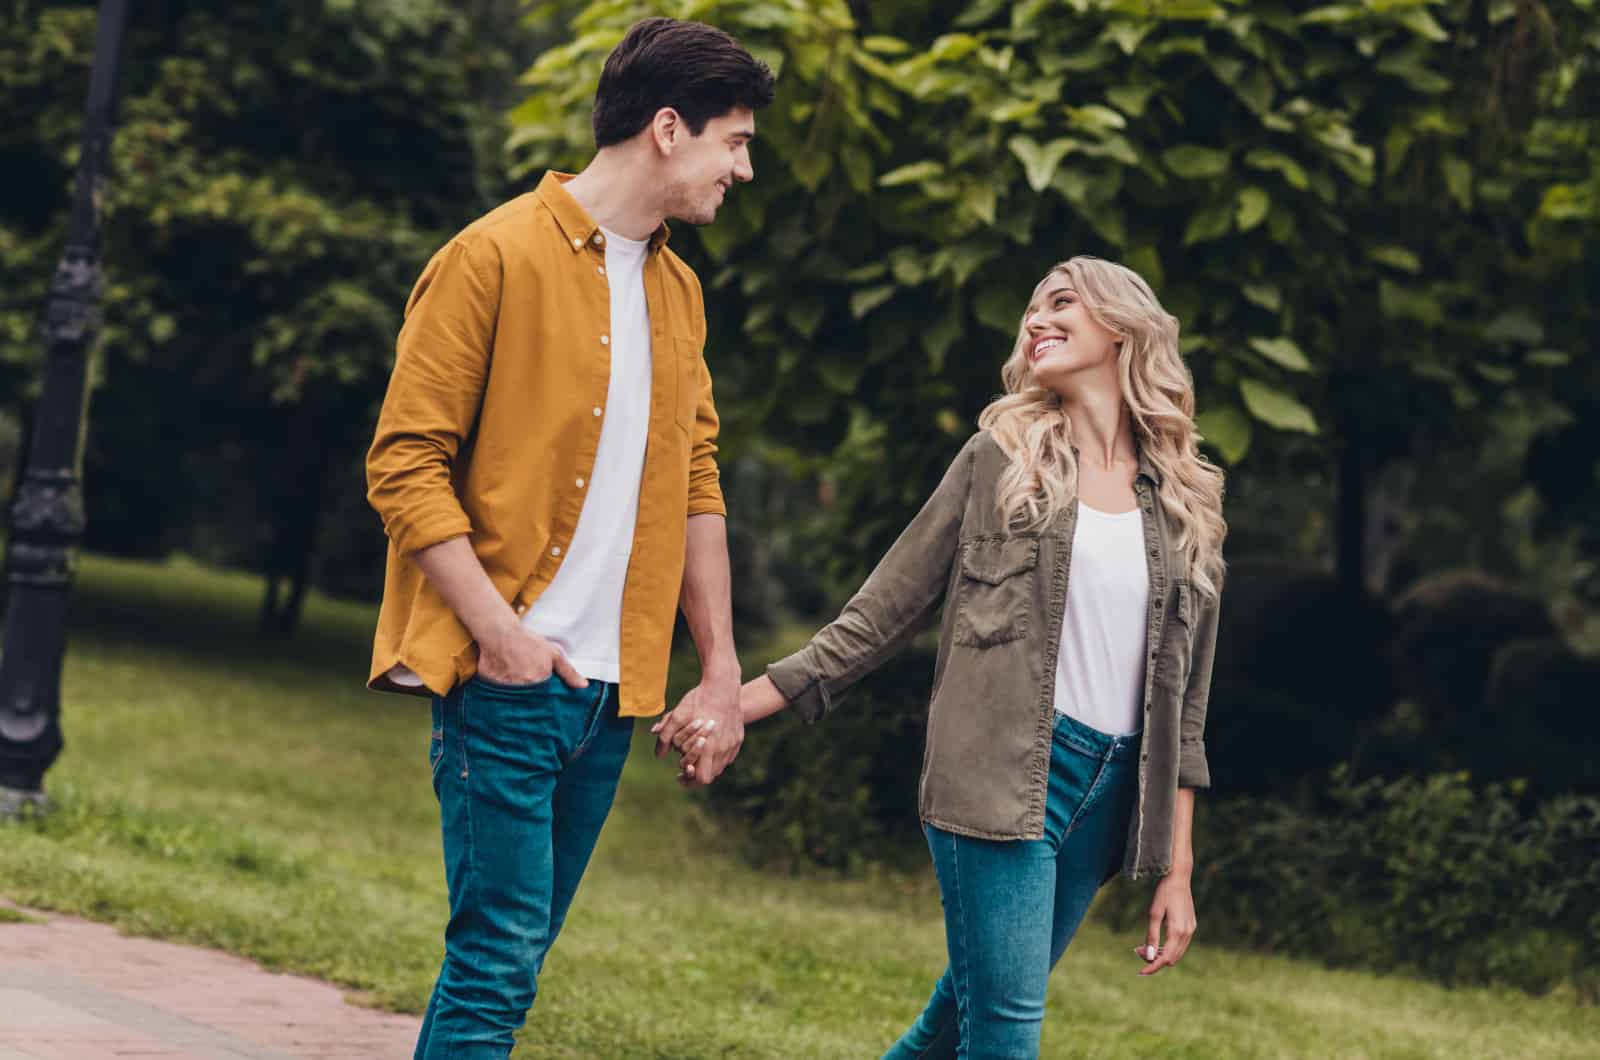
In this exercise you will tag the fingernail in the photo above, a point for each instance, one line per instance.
(712, 724)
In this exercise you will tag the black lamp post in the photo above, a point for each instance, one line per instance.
(47, 516)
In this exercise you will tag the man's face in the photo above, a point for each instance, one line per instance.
(701, 169)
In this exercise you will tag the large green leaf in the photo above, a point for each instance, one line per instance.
(915, 173)
(1275, 408)
(1284, 351)
(941, 333)
(1195, 162)
(1000, 304)
(1396, 257)
(1208, 223)
(1254, 204)
(1277, 161)
(1039, 161)
(865, 301)
(1515, 326)
(1227, 430)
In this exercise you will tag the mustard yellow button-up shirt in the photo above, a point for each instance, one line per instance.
(491, 422)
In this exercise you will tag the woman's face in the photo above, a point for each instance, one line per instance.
(1062, 339)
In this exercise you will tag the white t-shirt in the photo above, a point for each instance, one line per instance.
(581, 610)
(1100, 668)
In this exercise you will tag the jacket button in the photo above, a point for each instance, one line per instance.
(556, 551)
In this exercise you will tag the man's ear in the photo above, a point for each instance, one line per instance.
(666, 128)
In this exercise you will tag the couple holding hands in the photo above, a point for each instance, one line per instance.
(545, 467)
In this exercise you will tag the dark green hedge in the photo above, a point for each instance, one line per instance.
(1430, 875)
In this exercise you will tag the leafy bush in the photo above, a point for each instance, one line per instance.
(1429, 875)
(1297, 652)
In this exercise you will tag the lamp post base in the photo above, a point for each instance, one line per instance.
(18, 804)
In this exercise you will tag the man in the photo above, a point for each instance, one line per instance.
(545, 468)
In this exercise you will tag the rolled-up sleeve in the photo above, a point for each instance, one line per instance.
(905, 587)
(705, 478)
(441, 361)
(1193, 770)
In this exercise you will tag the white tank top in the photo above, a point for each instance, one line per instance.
(1100, 668)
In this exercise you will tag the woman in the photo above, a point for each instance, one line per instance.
(1078, 538)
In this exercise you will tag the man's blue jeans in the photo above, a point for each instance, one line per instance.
(1011, 906)
(525, 778)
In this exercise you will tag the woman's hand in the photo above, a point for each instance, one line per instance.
(758, 699)
(1172, 908)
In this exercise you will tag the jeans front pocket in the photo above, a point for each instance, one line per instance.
(436, 742)
(995, 592)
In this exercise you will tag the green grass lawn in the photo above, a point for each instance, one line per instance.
(255, 797)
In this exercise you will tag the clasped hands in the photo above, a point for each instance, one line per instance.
(706, 728)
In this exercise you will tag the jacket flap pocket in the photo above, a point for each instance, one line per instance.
(1185, 604)
(993, 561)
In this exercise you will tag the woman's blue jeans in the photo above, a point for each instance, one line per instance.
(525, 778)
(1011, 906)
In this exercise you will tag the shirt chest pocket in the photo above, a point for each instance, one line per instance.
(1178, 643)
(686, 382)
(995, 590)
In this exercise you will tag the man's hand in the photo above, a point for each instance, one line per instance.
(1172, 907)
(707, 727)
(516, 655)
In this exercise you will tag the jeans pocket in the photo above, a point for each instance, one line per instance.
(436, 742)
(536, 687)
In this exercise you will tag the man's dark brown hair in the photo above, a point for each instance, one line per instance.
(697, 70)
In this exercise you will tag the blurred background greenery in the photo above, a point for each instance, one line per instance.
(1378, 221)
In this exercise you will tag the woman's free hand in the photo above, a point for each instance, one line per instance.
(1171, 908)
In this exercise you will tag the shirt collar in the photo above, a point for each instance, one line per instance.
(1148, 469)
(575, 222)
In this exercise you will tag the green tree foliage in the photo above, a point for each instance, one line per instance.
(282, 171)
(1339, 202)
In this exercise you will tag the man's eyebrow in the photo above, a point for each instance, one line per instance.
(747, 134)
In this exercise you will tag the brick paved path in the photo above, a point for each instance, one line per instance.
(74, 989)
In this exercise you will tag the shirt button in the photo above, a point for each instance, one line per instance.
(605, 340)
(601, 269)
(577, 242)
(597, 410)
(580, 483)
(556, 551)
(599, 240)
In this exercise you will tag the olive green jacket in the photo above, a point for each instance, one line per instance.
(986, 762)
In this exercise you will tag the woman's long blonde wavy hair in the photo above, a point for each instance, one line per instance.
(1032, 428)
